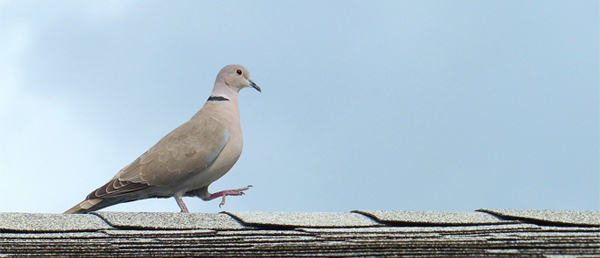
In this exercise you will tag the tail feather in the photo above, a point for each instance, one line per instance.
(86, 206)
(90, 205)
(95, 204)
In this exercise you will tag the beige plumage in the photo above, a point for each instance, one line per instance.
(188, 159)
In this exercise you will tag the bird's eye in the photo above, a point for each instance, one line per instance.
(239, 71)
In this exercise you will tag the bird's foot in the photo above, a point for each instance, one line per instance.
(224, 193)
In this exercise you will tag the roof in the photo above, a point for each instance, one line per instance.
(485, 232)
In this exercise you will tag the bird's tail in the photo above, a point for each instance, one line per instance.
(86, 206)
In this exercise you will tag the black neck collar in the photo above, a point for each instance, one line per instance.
(217, 98)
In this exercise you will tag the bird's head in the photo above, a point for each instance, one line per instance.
(236, 77)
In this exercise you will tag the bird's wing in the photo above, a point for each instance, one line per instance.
(190, 148)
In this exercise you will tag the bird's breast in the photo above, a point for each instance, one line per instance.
(222, 164)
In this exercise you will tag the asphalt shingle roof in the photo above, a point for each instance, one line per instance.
(435, 217)
(482, 233)
(302, 219)
(576, 218)
(170, 220)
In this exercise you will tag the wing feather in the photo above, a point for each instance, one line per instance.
(190, 148)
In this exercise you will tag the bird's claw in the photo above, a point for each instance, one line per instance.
(232, 192)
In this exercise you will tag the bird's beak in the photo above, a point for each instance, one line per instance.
(254, 86)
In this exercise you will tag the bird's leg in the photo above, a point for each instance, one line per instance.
(181, 204)
(224, 193)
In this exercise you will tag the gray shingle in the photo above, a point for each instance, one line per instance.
(302, 219)
(278, 234)
(50, 222)
(580, 218)
(54, 235)
(434, 217)
(158, 233)
(451, 229)
(169, 220)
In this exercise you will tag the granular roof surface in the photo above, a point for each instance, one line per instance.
(360, 233)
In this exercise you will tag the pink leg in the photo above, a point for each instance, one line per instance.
(233, 192)
(181, 204)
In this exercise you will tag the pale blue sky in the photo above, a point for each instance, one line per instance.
(391, 105)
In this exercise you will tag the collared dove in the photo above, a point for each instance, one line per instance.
(188, 159)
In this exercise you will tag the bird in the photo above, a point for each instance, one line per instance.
(189, 158)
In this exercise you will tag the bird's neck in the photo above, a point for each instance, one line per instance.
(224, 109)
(223, 94)
(224, 100)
